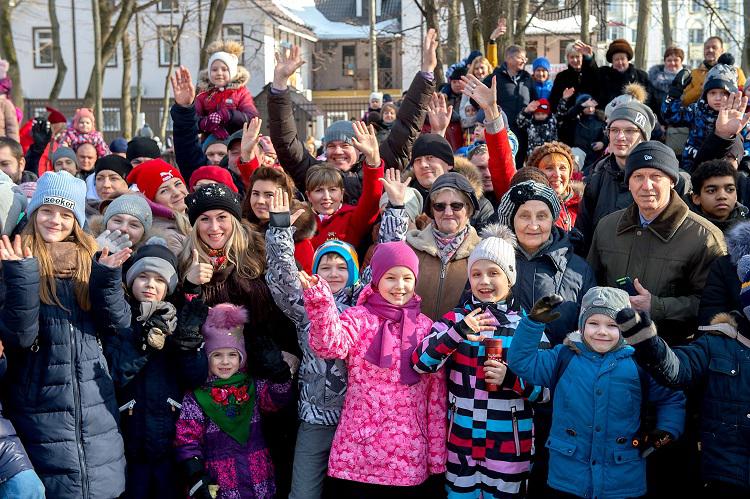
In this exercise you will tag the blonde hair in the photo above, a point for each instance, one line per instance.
(480, 61)
(86, 247)
(245, 249)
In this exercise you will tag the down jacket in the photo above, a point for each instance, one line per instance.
(61, 396)
(13, 458)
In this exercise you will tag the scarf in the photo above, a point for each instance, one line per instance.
(447, 244)
(218, 258)
(63, 256)
(380, 352)
(229, 403)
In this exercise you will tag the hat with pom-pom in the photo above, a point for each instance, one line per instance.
(498, 245)
(154, 256)
(224, 328)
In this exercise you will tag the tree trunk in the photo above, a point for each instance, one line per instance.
(126, 109)
(490, 12)
(666, 23)
(213, 28)
(746, 45)
(519, 33)
(98, 73)
(8, 48)
(585, 29)
(175, 39)
(432, 21)
(473, 26)
(62, 69)
(641, 35)
(453, 38)
(138, 74)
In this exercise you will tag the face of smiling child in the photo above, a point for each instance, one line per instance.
(489, 284)
(397, 285)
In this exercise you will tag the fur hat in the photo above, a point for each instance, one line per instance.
(619, 46)
(345, 251)
(498, 245)
(224, 328)
(547, 148)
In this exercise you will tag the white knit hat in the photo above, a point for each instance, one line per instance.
(231, 60)
(376, 96)
(498, 245)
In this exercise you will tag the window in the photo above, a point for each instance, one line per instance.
(614, 32)
(235, 33)
(531, 50)
(43, 54)
(696, 6)
(167, 6)
(168, 38)
(385, 55)
(695, 35)
(348, 59)
(723, 5)
(564, 45)
(111, 119)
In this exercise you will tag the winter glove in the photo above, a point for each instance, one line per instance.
(114, 241)
(267, 359)
(654, 440)
(196, 478)
(41, 132)
(635, 326)
(188, 334)
(159, 320)
(542, 311)
(680, 82)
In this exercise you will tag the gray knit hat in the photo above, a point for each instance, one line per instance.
(638, 114)
(498, 245)
(523, 192)
(602, 300)
(154, 256)
(12, 204)
(63, 152)
(60, 189)
(653, 154)
(134, 205)
(339, 130)
(721, 76)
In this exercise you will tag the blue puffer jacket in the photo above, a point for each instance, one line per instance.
(13, 458)
(61, 396)
(596, 414)
(721, 361)
(554, 270)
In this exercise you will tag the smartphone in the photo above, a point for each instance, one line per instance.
(626, 284)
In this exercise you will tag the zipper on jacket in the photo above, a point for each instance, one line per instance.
(127, 406)
(443, 271)
(77, 410)
(452, 413)
(176, 406)
(516, 440)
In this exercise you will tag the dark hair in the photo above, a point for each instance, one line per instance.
(712, 168)
(323, 174)
(674, 51)
(278, 177)
(715, 37)
(15, 147)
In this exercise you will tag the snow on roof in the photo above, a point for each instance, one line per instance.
(568, 25)
(305, 12)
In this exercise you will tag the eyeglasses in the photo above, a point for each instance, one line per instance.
(627, 132)
(456, 206)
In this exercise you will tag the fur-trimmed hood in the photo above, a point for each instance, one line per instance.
(471, 172)
(204, 84)
(738, 241)
(729, 324)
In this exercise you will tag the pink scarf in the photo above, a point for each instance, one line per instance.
(380, 351)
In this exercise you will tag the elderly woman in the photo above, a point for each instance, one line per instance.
(555, 160)
(577, 75)
(610, 81)
(661, 75)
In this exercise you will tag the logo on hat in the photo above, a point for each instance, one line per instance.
(168, 175)
(640, 120)
(647, 157)
(59, 201)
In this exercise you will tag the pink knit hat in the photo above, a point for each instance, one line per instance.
(224, 328)
(84, 112)
(389, 255)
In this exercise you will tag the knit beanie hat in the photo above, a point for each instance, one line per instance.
(55, 116)
(498, 245)
(451, 180)
(12, 204)
(653, 154)
(63, 152)
(224, 328)
(211, 139)
(212, 197)
(134, 205)
(541, 62)
(458, 72)
(115, 163)
(432, 144)
(60, 189)
(376, 96)
(619, 46)
(83, 112)
(154, 256)
(721, 76)
(413, 203)
(231, 61)
(523, 192)
(215, 173)
(394, 254)
(339, 130)
(119, 145)
(638, 114)
(142, 147)
(582, 98)
(544, 107)
(149, 175)
(602, 300)
(345, 251)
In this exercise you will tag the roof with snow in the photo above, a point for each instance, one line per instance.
(566, 26)
(305, 12)
(279, 14)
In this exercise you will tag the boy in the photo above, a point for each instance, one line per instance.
(540, 123)
(542, 83)
(588, 130)
(714, 194)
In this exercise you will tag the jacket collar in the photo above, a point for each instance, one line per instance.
(663, 226)
(423, 240)
(733, 325)
(556, 251)
(738, 213)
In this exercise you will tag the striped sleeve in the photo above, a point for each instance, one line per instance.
(438, 346)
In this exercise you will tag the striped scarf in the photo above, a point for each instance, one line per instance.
(447, 244)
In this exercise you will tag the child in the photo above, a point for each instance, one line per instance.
(542, 84)
(717, 362)
(83, 130)
(223, 102)
(588, 129)
(391, 435)
(598, 395)
(540, 123)
(219, 436)
(714, 194)
(153, 359)
(490, 441)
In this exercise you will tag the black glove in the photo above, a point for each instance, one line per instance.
(635, 326)
(196, 479)
(188, 335)
(654, 440)
(542, 311)
(680, 82)
(41, 132)
(267, 360)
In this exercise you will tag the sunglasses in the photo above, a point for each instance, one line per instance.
(440, 207)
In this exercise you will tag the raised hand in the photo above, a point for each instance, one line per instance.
(250, 139)
(439, 113)
(543, 309)
(114, 260)
(635, 326)
(568, 92)
(366, 142)
(500, 29)
(583, 49)
(41, 131)
(199, 273)
(394, 188)
(113, 241)
(9, 252)
(182, 87)
(732, 118)
(429, 51)
(533, 106)
(472, 325)
(485, 96)
(280, 204)
(306, 280)
(287, 62)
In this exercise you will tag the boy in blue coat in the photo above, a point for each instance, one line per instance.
(596, 418)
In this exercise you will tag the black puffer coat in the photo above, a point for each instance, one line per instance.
(581, 80)
(610, 83)
(13, 458)
(61, 396)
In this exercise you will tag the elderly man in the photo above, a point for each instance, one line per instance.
(713, 47)
(657, 242)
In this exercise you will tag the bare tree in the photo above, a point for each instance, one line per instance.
(522, 13)
(138, 72)
(452, 40)
(666, 23)
(641, 34)
(126, 109)
(62, 69)
(213, 28)
(174, 39)
(473, 25)
(746, 44)
(98, 75)
(585, 30)
(489, 12)
(8, 48)
(429, 11)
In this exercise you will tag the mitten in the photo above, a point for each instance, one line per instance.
(635, 326)
(210, 123)
(196, 478)
(41, 132)
(542, 311)
(679, 83)
(224, 114)
(267, 359)
(188, 334)
(114, 241)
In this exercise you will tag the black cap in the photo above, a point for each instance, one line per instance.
(653, 154)
(115, 163)
(212, 197)
(432, 144)
(143, 147)
(451, 180)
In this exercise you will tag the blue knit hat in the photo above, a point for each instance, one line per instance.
(541, 62)
(345, 251)
(63, 152)
(582, 98)
(119, 145)
(60, 189)
(212, 139)
(339, 130)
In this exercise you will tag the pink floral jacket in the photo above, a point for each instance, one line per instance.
(389, 433)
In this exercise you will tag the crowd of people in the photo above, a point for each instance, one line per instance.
(519, 284)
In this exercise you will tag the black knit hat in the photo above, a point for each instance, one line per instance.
(619, 46)
(153, 256)
(142, 147)
(432, 144)
(521, 193)
(458, 72)
(115, 163)
(212, 197)
(653, 154)
(451, 180)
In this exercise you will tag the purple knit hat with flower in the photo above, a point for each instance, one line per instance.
(224, 328)
(389, 255)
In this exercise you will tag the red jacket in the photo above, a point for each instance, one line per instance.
(569, 212)
(501, 163)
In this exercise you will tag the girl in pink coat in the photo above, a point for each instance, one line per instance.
(392, 430)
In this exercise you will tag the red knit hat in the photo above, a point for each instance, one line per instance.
(55, 116)
(83, 112)
(544, 106)
(149, 176)
(215, 173)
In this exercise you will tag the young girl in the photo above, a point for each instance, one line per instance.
(223, 102)
(391, 435)
(61, 397)
(596, 418)
(83, 130)
(219, 439)
(490, 441)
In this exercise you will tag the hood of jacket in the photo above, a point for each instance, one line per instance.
(204, 84)
(423, 240)
(731, 324)
(738, 213)
(738, 241)
(663, 226)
